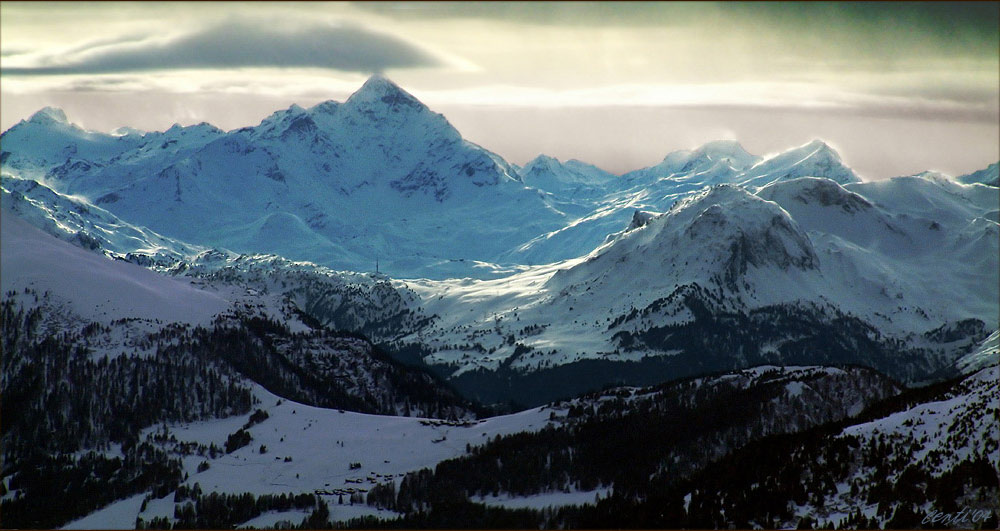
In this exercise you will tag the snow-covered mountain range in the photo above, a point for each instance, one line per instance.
(379, 177)
(802, 271)
(362, 256)
(382, 181)
(337, 184)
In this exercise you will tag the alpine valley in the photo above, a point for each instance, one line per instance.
(350, 316)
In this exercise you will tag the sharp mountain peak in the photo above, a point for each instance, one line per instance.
(49, 115)
(380, 89)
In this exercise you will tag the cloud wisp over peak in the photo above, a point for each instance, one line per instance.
(240, 43)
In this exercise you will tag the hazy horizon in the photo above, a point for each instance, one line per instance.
(895, 88)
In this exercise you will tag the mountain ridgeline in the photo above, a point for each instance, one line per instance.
(317, 321)
(337, 184)
(379, 177)
(714, 259)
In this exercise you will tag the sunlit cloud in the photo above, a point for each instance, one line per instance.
(959, 102)
(740, 94)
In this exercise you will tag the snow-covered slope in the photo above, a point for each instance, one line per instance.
(48, 139)
(983, 355)
(339, 453)
(713, 163)
(960, 425)
(925, 454)
(94, 287)
(381, 181)
(311, 449)
(724, 229)
(804, 269)
(75, 220)
(378, 177)
(726, 161)
(946, 422)
(894, 235)
(713, 260)
(570, 180)
(815, 159)
(989, 176)
(932, 196)
(658, 187)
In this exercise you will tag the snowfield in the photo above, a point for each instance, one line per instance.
(322, 444)
(805, 241)
(494, 251)
(93, 287)
(962, 425)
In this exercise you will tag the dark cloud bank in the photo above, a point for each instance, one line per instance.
(237, 44)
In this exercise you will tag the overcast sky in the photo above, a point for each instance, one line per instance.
(897, 88)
